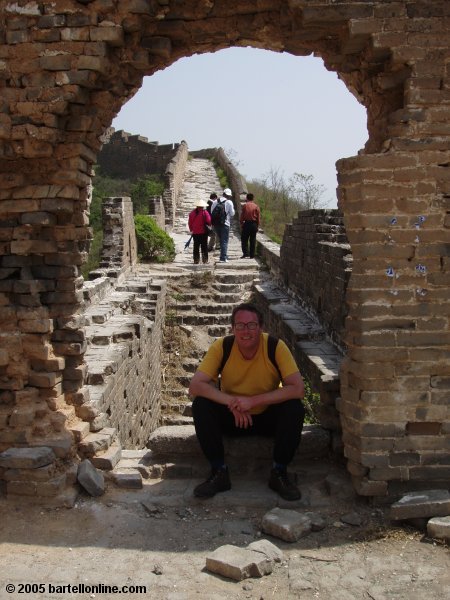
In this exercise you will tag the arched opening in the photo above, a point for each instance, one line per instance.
(394, 196)
(275, 110)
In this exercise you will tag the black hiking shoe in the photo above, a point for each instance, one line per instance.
(218, 481)
(280, 482)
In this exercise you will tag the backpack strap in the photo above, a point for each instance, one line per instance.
(227, 344)
(272, 343)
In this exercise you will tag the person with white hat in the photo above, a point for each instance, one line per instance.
(222, 210)
(198, 221)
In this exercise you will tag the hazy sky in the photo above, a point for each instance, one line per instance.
(274, 111)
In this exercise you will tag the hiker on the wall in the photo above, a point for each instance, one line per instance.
(222, 211)
(250, 400)
(198, 221)
(212, 233)
(249, 221)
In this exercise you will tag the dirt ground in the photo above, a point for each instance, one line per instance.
(159, 537)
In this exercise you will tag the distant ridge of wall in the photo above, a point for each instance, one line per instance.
(131, 156)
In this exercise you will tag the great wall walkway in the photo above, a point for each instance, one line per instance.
(198, 305)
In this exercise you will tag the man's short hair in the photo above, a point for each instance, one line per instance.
(213, 196)
(250, 196)
(250, 308)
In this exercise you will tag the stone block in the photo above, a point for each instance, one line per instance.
(62, 446)
(173, 440)
(21, 417)
(427, 503)
(270, 550)
(94, 442)
(366, 487)
(127, 479)
(27, 458)
(238, 563)
(107, 460)
(288, 525)
(80, 430)
(177, 440)
(439, 528)
(90, 478)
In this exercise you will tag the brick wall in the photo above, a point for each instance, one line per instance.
(119, 249)
(132, 156)
(316, 261)
(173, 181)
(67, 68)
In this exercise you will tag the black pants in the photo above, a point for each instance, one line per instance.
(248, 234)
(283, 421)
(200, 241)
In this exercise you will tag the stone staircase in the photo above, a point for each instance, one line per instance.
(199, 300)
(115, 320)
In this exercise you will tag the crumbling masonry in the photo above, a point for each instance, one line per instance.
(66, 69)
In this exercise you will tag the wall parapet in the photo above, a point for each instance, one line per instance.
(130, 156)
(173, 181)
(316, 263)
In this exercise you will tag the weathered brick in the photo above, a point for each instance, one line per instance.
(423, 428)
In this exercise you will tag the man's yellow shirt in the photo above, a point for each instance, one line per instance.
(242, 377)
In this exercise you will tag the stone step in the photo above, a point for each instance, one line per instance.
(174, 393)
(106, 460)
(119, 328)
(94, 443)
(131, 468)
(174, 419)
(219, 330)
(229, 298)
(177, 406)
(103, 362)
(252, 455)
(79, 430)
(184, 380)
(214, 308)
(198, 319)
(135, 287)
(228, 288)
(190, 364)
(176, 298)
(234, 276)
(98, 314)
(146, 307)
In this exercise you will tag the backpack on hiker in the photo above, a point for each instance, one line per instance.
(219, 214)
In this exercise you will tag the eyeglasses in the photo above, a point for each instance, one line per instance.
(249, 325)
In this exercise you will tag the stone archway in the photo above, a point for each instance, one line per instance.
(66, 69)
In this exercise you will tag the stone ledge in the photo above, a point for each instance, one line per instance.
(176, 443)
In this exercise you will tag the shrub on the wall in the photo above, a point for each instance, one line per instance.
(153, 243)
(224, 183)
(142, 189)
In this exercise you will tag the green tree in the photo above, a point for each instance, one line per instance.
(306, 192)
(153, 243)
(150, 185)
(281, 199)
(105, 187)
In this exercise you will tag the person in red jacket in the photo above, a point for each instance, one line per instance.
(198, 220)
(249, 220)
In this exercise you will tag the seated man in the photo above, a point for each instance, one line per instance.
(249, 401)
